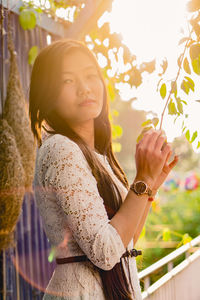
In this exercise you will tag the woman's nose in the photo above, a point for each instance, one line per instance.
(83, 87)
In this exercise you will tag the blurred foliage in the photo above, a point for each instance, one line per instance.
(130, 120)
(30, 11)
(189, 160)
(174, 216)
(33, 52)
(176, 220)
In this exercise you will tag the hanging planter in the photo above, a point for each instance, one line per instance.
(12, 188)
(16, 114)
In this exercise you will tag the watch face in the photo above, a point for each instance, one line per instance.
(140, 187)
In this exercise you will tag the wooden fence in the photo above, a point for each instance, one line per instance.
(32, 247)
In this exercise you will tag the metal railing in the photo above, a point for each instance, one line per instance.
(171, 270)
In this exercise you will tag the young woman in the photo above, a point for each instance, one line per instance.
(90, 214)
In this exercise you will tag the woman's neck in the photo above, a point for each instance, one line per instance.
(86, 131)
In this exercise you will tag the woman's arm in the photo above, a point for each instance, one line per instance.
(129, 218)
(142, 222)
(150, 160)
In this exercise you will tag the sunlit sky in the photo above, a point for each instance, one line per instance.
(152, 29)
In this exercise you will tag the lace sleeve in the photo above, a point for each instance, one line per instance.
(69, 174)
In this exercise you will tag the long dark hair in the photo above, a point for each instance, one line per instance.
(44, 89)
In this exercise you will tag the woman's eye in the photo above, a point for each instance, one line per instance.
(68, 80)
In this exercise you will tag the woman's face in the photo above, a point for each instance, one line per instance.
(80, 82)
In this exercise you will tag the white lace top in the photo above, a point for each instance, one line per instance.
(75, 220)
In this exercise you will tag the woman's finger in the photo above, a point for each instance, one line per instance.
(168, 157)
(174, 162)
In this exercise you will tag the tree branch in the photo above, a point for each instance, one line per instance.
(173, 85)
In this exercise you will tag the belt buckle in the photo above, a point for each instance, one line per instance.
(134, 252)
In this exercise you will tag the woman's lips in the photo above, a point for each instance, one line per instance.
(87, 102)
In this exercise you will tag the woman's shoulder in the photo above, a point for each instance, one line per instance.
(57, 140)
(58, 145)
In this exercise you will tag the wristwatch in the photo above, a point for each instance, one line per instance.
(141, 188)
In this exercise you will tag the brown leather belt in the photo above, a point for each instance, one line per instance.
(65, 260)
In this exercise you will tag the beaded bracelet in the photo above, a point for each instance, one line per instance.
(150, 199)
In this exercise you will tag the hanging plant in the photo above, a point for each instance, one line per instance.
(12, 188)
(16, 114)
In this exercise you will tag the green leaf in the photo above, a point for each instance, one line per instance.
(163, 90)
(155, 121)
(183, 129)
(52, 254)
(189, 80)
(148, 66)
(186, 238)
(27, 19)
(135, 77)
(190, 83)
(175, 119)
(39, 10)
(172, 108)
(186, 66)
(187, 135)
(164, 67)
(147, 122)
(111, 91)
(117, 131)
(184, 39)
(184, 102)
(140, 136)
(93, 34)
(145, 129)
(196, 66)
(110, 117)
(195, 51)
(115, 113)
(32, 54)
(198, 145)
(179, 105)
(22, 8)
(166, 235)
(142, 234)
(116, 147)
(194, 136)
(185, 87)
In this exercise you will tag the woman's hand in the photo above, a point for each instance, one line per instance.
(165, 171)
(151, 158)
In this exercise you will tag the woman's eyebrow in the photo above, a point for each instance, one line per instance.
(86, 68)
